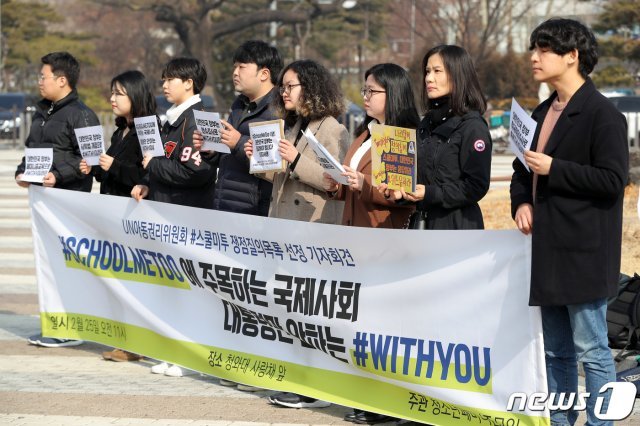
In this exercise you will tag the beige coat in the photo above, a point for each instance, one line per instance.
(299, 195)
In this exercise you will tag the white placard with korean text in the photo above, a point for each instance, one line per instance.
(38, 162)
(209, 125)
(149, 135)
(266, 136)
(91, 143)
(522, 128)
(384, 320)
(326, 160)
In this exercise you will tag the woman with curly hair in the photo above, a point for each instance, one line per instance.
(309, 99)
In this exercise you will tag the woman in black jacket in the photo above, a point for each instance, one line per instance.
(454, 144)
(121, 166)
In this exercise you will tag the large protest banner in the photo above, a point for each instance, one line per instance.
(425, 325)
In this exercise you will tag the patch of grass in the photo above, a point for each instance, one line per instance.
(496, 209)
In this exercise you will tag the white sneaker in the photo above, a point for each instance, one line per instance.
(248, 388)
(227, 383)
(177, 371)
(160, 368)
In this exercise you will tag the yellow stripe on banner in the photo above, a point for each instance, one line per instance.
(340, 388)
(148, 278)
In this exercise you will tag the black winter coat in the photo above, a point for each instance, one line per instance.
(126, 171)
(53, 127)
(182, 176)
(454, 164)
(236, 189)
(577, 215)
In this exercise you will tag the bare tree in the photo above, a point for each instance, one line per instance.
(480, 26)
(199, 24)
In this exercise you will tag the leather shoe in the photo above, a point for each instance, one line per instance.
(118, 355)
(369, 418)
(351, 417)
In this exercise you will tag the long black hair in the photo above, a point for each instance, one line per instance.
(138, 89)
(466, 94)
(321, 95)
(400, 106)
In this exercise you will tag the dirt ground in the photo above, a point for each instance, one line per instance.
(497, 215)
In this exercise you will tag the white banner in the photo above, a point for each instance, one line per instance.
(431, 326)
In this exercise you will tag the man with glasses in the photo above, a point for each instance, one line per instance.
(256, 66)
(57, 115)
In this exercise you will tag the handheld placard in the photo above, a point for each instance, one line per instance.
(91, 143)
(266, 137)
(521, 131)
(209, 126)
(38, 162)
(326, 160)
(393, 157)
(149, 135)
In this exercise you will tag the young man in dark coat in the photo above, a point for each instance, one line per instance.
(182, 176)
(256, 66)
(57, 115)
(571, 203)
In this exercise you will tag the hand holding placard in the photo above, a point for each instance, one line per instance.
(209, 125)
(521, 131)
(326, 160)
(149, 135)
(38, 162)
(265, 136)
(91, 143)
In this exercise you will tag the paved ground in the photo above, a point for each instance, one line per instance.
(74, 386)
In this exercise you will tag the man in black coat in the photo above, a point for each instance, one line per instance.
(256, 66)
(58, 114)
(571, 203)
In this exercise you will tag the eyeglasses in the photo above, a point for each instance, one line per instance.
(367, 92)
(43, 77)
(287, 88)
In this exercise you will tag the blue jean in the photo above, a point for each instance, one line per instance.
(575, 333)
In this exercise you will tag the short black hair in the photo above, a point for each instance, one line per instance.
(262, 54)
(63, 64)
(185, 69)
(564, 35)
(466, 94)
(138, 88)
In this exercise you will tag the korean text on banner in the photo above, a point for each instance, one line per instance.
(429, 326)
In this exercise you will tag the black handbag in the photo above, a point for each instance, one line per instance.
(418, 220)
